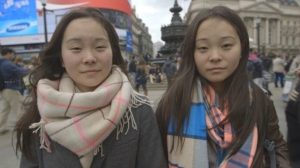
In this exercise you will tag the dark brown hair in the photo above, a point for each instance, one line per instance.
(18, 59)
(177, 100)
(51, 68)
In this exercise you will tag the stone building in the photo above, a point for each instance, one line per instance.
(278, 21)
(142, 40)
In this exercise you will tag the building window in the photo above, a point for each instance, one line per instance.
(286, 40)
(280, 42)
(293, 41)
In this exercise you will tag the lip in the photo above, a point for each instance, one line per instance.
(216, 69)
(91, 71)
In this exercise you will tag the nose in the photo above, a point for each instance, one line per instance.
(89, 57)
(215, 56)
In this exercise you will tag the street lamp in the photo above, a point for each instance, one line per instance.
(257, 27)
(44, 2)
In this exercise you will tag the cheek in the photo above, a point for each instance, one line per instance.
(199, 64)
(69, 62)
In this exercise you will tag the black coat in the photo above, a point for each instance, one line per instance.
(292, 112)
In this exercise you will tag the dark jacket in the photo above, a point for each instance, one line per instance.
(281, 150)
(255, 67)
(132, 66)
(141, 148)
(292, 113)
(12, 74)
(169, 68)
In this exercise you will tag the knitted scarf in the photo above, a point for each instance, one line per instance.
(82, 121)
(205, 115)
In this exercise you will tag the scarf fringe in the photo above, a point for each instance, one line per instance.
(44, 141)
(128, 118)
(99, 148)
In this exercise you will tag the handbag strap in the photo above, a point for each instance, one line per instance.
(270, 145)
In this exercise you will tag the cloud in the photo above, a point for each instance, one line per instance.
(156, 13)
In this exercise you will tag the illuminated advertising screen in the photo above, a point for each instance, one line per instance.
(22, 21)
(18, 18)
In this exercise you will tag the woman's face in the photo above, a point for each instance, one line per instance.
(86, 53)
(217, 50)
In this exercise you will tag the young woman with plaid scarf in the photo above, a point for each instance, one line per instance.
(83, 111)
(219, 117)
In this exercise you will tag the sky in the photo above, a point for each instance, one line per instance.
(156, 13)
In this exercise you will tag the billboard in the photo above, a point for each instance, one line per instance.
(26, 26)
(129, 41)
(18, 17)
(118, 5)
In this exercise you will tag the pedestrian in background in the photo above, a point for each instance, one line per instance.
(159, 78)
(11, 95)
(169, 68)
(141, 76)
(18, 61)
(132, 71)
(278, 69)
(152, 70)
(255, 67)
(213, 110)
(83, 111)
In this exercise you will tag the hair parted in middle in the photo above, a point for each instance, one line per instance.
(177, 100)
(51, 66)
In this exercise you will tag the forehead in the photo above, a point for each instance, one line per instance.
(216, 27)
(84, 27)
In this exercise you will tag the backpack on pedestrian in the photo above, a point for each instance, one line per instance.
(255, 68)
(267, 62)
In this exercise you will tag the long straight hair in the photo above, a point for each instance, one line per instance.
(51, 68)
(177, 100)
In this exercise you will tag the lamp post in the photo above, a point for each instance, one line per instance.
(257, 27)
(44, 2)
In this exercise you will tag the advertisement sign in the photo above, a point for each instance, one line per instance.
(125, 39)
(117, 19)
(18, 18)
(129, 41)
(22, 21)
(118, 5)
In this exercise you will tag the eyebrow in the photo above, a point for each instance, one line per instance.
(222, 38)
(79, 39)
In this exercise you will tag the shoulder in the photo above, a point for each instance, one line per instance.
(144, 111)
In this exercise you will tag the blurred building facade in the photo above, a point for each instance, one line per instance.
(142, 40)
(279, 21)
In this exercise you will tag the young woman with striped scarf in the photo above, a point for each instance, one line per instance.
(83, 111)
(213, 114)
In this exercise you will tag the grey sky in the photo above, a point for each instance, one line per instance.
(156, 13)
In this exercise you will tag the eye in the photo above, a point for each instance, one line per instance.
(76, 49)
(227, 46)
(100, 47)
(202, 49)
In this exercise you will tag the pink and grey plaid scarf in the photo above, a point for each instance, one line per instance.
(196, 132)
(82, 121)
